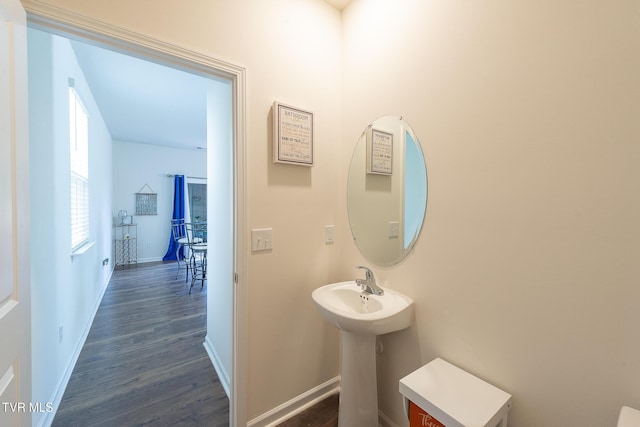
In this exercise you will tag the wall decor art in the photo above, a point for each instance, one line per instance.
(380, 152)
(292, 135)
(146, 201)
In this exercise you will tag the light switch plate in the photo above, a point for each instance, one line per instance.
(261, 239)
(329, 234)
(394, 229)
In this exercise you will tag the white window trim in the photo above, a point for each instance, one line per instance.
(80, 250)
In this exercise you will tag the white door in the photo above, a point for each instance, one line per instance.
(15, 312)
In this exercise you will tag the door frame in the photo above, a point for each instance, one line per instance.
(66, 24)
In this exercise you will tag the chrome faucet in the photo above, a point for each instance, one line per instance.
(369, 283)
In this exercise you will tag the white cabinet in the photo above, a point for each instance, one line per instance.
(444, 395)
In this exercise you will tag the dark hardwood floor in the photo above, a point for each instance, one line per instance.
(322, 414)
(143, 362)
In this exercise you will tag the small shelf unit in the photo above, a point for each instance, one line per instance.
(125, 244)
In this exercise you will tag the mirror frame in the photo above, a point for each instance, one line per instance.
(376, 183)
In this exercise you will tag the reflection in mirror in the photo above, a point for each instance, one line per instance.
(387, 191)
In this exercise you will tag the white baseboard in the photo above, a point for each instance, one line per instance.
(225, 380)
(297, 404)
(48, 417)
(385, 421)
(151, 259)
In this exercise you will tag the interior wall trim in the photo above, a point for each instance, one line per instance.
(223, 375)
(297, 404)
(56, 20)
(150, 259)
(61, 21)
(385, 421)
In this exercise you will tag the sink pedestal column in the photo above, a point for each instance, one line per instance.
(359, 387)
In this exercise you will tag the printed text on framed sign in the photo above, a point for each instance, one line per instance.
(293, 135)
(379, 153)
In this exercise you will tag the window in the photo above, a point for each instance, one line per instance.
(198, 202)
(79, 167)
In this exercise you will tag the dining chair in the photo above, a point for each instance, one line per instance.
(196, 234)
(179, 232)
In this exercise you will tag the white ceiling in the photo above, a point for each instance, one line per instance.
(145, 102)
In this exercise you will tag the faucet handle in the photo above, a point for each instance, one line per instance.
(368, 272)
(369, 284)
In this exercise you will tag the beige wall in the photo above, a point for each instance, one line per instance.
(526, 273)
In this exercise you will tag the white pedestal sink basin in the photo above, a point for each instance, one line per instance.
(361, 316)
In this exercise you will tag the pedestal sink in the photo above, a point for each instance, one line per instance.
(361, 316)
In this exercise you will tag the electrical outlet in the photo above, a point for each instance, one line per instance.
(60, 333)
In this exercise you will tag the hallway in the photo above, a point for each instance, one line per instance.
(144, 362)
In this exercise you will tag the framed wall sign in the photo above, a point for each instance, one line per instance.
(146, 201)
(380, 152)
(292, 135)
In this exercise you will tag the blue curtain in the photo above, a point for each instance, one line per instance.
(178, 213)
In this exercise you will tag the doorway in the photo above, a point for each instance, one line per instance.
(225, 163)
(197, 201)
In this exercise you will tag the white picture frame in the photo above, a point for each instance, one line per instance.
(292, 135)
(379, 152)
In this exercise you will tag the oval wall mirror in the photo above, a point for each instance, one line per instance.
(387, 191)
